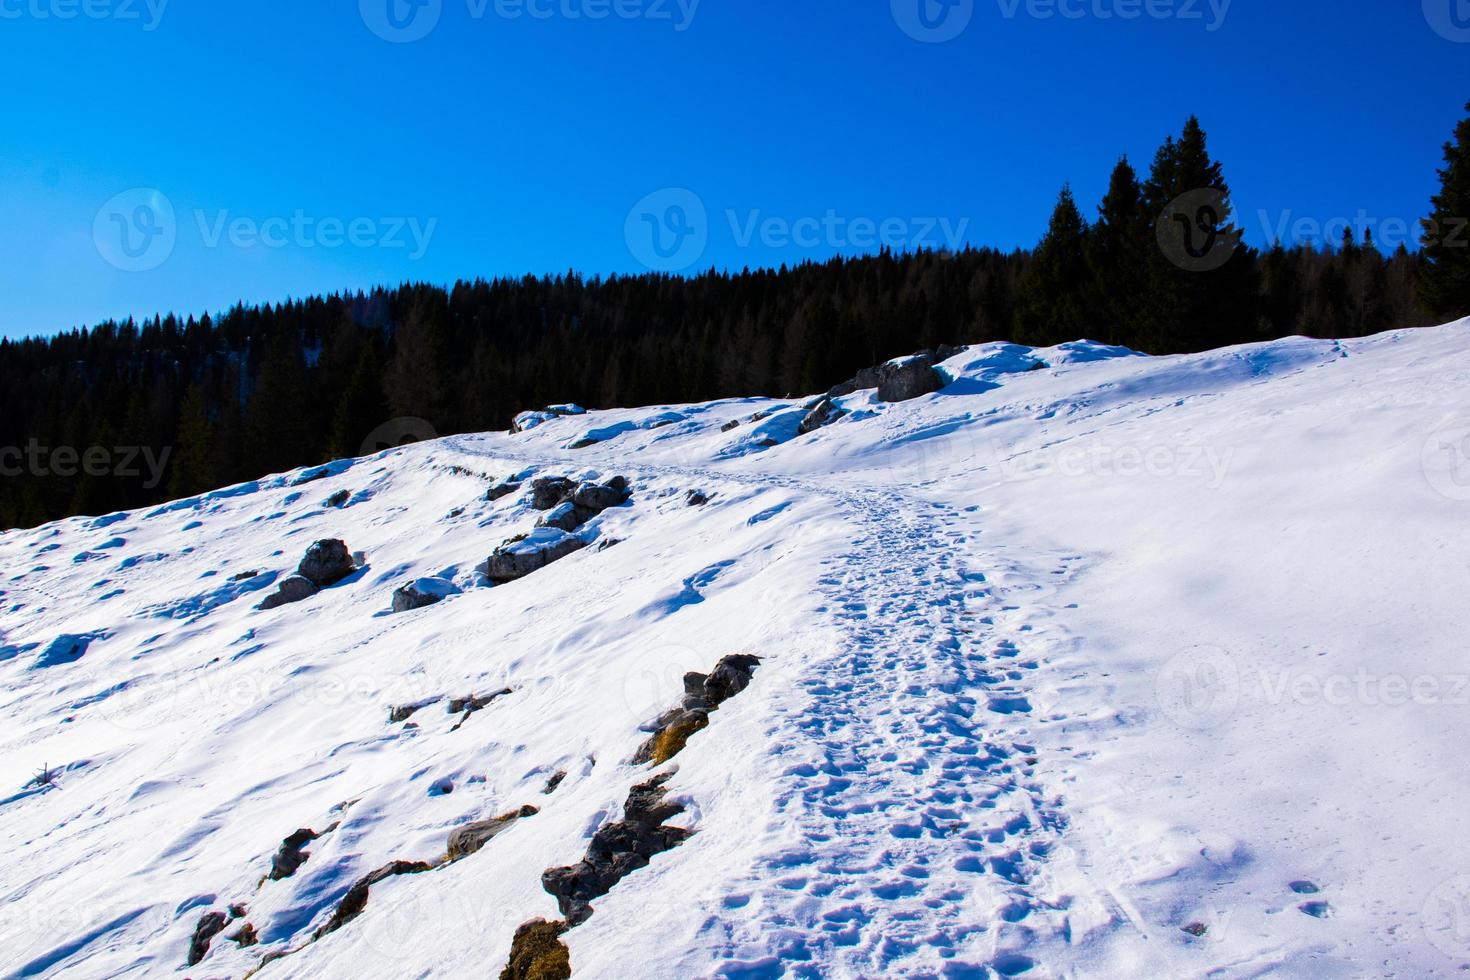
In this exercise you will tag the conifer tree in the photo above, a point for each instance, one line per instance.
(1052, 301)
(1118, 255)
(1201, 286)
(1444, 279)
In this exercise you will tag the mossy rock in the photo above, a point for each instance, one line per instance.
(537, 953)
(671, 741)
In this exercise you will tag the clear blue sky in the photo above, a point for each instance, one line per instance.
(520, 134)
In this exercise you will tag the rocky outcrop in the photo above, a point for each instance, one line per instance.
(913, 377)
(696, 498)
(526, 421)
(517, 559)
(537, 953)
(422, 593)
(356, 899)
(211, 925)
(616, 851)
(823, 413)
(472, 837)
(901, 379)
(339, 499)
(502, 489)
(291, 856)
(548, 492)
(326, 563)
(293, 589)
(703, 694)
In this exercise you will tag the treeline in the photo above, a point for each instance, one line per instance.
(263, 389)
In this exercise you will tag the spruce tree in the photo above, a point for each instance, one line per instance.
(1200, 291)
(191, 469)
(1444, 278)
(1117, 256)
(1052, 301)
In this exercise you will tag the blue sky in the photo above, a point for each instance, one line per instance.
(299, 151)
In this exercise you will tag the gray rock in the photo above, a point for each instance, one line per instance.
(516, 561)
(339, 499)
(326, 563)
(822, 414)
(566, 516)
(410, 597)
(909, 379)
(472, 837)
(599, 498)
(210, 925)
(291, 856)
(504, 489)
(696, 498)
(293, 589)
(549, 491)
(617, 850)
(730, 426)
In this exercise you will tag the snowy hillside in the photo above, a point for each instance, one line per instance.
(1088, 665)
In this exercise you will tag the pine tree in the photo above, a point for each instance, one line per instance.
(1052, 302)
(1201, 287)
(191, 468)
(1444, 279)
(362, 407)
(1118, 255)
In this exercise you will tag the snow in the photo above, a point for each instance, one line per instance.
(1083, 650)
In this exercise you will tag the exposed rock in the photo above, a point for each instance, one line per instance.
(598, 498)
(901, 379)
(339, 499)
(290, 856)
(326, 563)
(472, 837)
(537, 953)
(356, 898)
(696, 498)
(237, 911)
(825, 412)
(732, 675)
(211, 925)
(293, 589)
(421, 593)
(567, 516)
(516, 560)
(471, 705)
(549, 491)
(702, 695)
(907, 379)
(245, 936)
(244, 576)
(730, 426)
(616, 851)
(503, 489)
(407, 711)
(557, 778)
(671, 738)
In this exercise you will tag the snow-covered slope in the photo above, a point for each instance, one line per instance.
(1089, 665)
